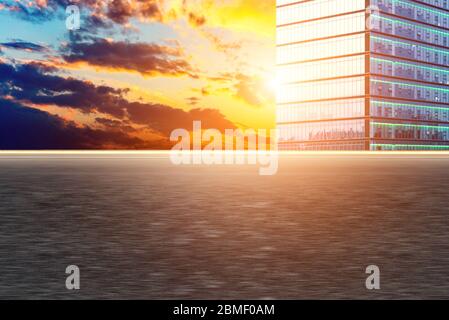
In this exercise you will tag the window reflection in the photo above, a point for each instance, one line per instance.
(318, 90)
(409, 70)
(410, 91)
(330, 68)
(320, 49)
(414, 10)
(321, 110)
(321, 28)
(325, 130)
(409, 110)
(410, 50)
(411, 30)
(406, 131)
(296, 12)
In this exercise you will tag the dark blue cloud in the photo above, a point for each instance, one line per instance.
(36, 84)
(23, 45)
(23, 128)
(145, 58)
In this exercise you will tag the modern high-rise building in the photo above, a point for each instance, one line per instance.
(363, 74)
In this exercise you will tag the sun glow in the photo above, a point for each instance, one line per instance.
(274, 84)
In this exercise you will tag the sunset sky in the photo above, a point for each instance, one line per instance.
(136, 70)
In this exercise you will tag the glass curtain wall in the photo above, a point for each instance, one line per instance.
(321, 64)
(409, 67)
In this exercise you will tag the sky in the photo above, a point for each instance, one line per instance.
(134, 71)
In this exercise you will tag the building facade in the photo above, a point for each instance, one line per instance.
(363, 74)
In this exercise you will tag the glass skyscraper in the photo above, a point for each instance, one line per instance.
(363, 74)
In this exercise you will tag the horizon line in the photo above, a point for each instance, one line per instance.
(163, 152)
